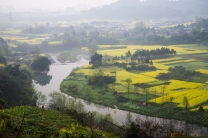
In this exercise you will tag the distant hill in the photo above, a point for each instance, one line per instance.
(149, 9)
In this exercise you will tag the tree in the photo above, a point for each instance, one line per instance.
(146, 94)
(129, 119)
(186, 104)
(41, 64)
(16, 86)
(96, 60)
(201, 109)
(171, 105)
(129, 81)
(139, 27)
(41, 98)
(134, 131)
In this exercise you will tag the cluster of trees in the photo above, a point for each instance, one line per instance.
(73, 39)
(16, 87)
(197, 37)
(200, 23)
(99, 79)
(41, 64)
(38, 30)
(140, 60)
(178, 73)
(141, 29)
(159, 52)
(145, 35)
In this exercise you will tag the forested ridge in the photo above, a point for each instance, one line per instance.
(135, 9)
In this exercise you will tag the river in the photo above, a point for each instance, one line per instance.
(60, 71)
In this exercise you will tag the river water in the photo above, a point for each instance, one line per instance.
(60, 71)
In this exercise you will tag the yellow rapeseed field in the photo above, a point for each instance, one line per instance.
(195, 97)
(153, 73)
(180, 61)
(85, 71)
(160, 66)
(1, 65)
(179, 48)
(87, 66)
(12, 31)
(178, 86)
(197, 93)
(167, 59)
(204, 71)
(85, 48)
(122, 75)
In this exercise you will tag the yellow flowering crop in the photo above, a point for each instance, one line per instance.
(121, 77)
(1, 65)
(195, 97)
(85, 71)
(204, 71)
(177, 85)
(85, 48)
(167, 59)
(180, 61)
(15, 31)
(154, 73)
(179, 49)
(87, 66)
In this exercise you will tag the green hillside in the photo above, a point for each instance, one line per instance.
(28, 122)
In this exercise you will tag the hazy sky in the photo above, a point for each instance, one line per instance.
(52, 4)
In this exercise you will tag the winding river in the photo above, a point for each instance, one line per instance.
(60, 71)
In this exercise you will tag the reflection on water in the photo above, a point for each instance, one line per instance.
(42, 78)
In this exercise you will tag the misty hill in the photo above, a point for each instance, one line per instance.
(149, 9)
